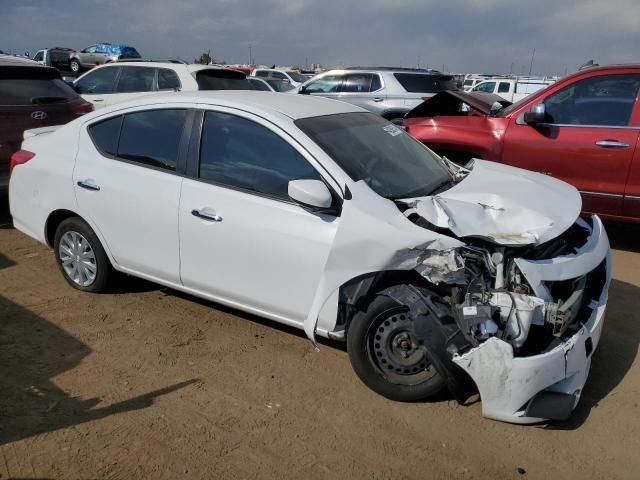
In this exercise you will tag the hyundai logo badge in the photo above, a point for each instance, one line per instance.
(39, 115)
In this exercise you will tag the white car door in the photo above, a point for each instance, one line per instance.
(243, 241)
(96, 85)
(127, 187)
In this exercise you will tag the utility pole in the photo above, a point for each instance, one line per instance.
(250, 56)
(533, 54)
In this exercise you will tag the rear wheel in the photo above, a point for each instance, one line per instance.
(80, 256)
(74, 65)
(386, 354)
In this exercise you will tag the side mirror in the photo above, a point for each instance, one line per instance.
(310, 193)
(536, 115)
(27, 54)
(69, 81)
(495, 108)
(303, 90)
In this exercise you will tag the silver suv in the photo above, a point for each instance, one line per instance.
(389, 92)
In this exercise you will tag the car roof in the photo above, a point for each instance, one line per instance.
(260, 103)
(10, 60)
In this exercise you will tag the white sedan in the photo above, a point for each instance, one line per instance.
(317, 214)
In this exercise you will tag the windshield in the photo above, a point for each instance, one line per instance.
(369, 148)
(297, 77)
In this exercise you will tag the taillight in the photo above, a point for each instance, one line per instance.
(19, 158)
(82, 108)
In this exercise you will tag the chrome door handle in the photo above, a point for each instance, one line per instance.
(378, 99)
(612, 144)
(88, 185)
(212, 217)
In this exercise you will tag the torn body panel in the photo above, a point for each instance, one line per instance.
(510, 386)
(373, 236)
(498, 291)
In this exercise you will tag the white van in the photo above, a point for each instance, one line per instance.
(513, 89)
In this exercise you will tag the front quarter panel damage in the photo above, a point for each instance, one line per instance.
(374, 236)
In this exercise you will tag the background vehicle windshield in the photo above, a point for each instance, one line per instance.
(369, 148)
(297, 77)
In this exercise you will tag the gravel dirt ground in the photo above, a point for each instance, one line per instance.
(149, 383)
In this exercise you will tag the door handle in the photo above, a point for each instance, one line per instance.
(612, 144)
(98, 99)
(209, 216)
(88, 185)
(378, 99)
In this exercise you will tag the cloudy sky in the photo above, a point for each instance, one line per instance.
(495, 36)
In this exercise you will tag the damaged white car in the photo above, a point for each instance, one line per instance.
(317, 214)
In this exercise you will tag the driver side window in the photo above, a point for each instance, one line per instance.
(91, 49)
(97, 82)
(326, 84)
(605, 100)
(242, 154)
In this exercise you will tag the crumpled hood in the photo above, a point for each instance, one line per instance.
(507, 205)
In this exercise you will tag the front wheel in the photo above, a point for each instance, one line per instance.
(386, 354)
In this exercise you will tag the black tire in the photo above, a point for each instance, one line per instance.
(369, 343)
(97, 261)
(74, 65)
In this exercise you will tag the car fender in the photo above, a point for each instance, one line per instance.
(374, 236)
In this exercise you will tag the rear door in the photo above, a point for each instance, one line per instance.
(30, 97)
(127, 183)
(589, 140)
(364, 90)
(97, 85)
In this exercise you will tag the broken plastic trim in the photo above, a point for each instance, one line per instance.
(433, 335)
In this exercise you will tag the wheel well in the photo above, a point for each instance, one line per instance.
(56, 218)
(356, 293)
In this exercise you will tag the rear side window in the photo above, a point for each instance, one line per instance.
(243, 154)
(503, 87)
(150, 138)
(419, 83)
(98, 82)
(26, 91)
(135, 79)
(105, 135)
(222, 80)
(279, 76)
(168, 79)
(262, 73)
(361, 83)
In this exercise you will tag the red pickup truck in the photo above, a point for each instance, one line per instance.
(583, 129)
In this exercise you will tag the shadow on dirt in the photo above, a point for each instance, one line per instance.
(32, 352)
(616, 352)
